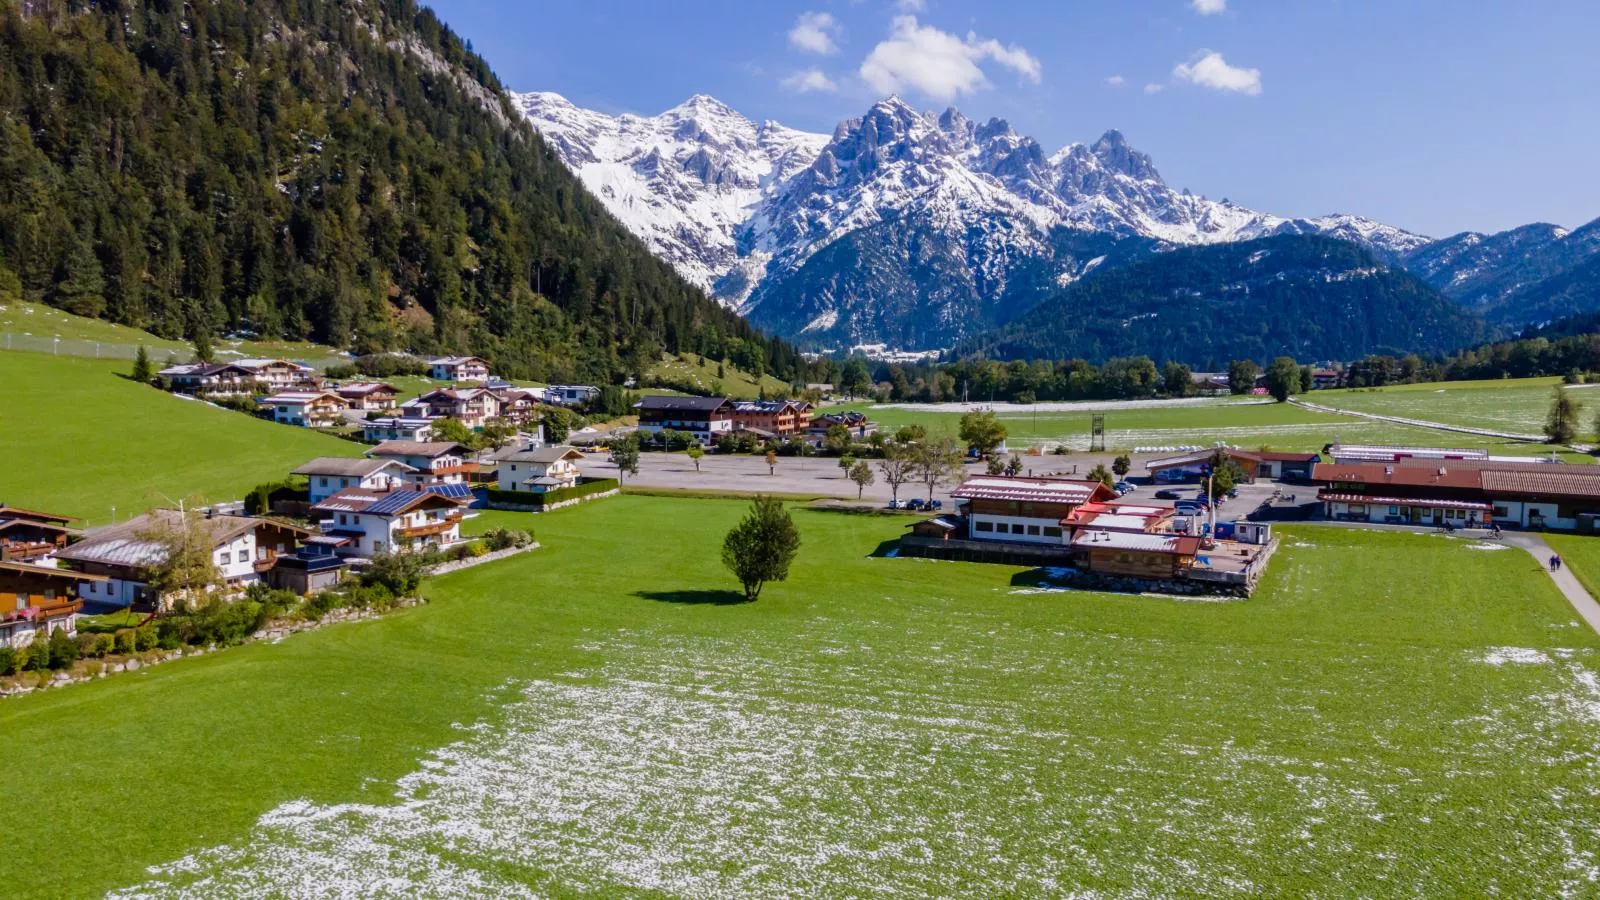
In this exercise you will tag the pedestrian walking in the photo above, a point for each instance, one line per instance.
(1552, 562)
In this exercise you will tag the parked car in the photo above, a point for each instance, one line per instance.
(916, 503)
(936, 505)
(895, 504)
(1168, 495)
(1190, 508)
(1123, 487)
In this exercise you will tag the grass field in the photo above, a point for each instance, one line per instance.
(1392, 714)
(1513, 405)
(78, 439)
(1243, 423)
(702, 373)
(31, 324)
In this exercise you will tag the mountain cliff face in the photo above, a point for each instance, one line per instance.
(1527, 275)
(1303, 296)
(972, 206)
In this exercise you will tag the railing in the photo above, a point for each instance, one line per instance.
(428, 530)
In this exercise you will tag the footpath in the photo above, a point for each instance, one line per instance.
(1563, 577)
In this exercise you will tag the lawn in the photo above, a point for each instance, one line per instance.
(702, 373)
(79, 439)
(35, 326)
(1513, 405)
(1241, 422)
(1581, 554)
(1392, 714)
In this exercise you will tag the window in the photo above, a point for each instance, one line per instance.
(1052, 531)
(1033, 530)
(1500, 512)
(244, 556)
(985, 526)
(1394, 510)
(324, 482)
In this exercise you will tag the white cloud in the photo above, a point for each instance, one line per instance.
(1153, 88)
(809, 80)
(814, 32)
(1116, 81)
(1209, 7)
(911, 6)
(1209, 69)
(937, 63)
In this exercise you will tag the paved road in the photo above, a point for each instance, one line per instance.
(1564, 579)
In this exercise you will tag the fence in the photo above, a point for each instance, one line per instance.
(158, 349)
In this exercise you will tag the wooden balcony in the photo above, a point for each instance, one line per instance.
(429, 530)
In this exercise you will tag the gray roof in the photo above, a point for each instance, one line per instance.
(349, 468)
(544, 455)
(429, 449)
(130, 543)
(682, 404)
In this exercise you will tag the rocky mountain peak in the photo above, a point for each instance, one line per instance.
(1113, 152)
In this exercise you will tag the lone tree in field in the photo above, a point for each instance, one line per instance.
(1561, 426)
(760, 548)
(897, 467)
(861, 474)
(625, 456)
(695, 452)
(143, 371)
(1283, 378)
(982, 432)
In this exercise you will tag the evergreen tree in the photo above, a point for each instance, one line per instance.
(143, 371)
(81, 290)
(1561, 425)
(761, 547)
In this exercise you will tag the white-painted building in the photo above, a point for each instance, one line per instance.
(538, 470)
(571, 394)
(413, 429)
(401, 520)
(307, 409)
(328, 475)
(434, 462)
(1025, 510)
(458, 368)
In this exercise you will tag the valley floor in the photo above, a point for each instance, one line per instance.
(1391, 714)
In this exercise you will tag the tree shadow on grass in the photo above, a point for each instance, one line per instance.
(695, 598)
(887, 549)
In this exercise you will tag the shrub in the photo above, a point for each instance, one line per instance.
(123, 641)
(342, 371)
(506, 538)
(386, 365)
(62, 649)
(399, 573)
(8, 661)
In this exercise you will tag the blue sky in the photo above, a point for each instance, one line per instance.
(1432, 115)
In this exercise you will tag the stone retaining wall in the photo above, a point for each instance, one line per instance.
(456, 565)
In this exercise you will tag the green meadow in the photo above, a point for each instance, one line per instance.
(1513, 405)
(1392, 714)
(80, 439)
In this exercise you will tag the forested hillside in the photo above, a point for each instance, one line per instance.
(1302, 296)
(347, 172)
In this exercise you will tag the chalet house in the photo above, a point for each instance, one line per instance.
(472, 407)
(1326, 379)
(822, 389)
(705, 418)
(458, 368)
(520, 405)
(433, 462)
(1024, 510)
(779, 418)
(365, 523)
(1157, 556)
(538, 471)
(26, 534)
(243, 548)
(571, 394)
(328, 475)
(397, 428)
(37, 600)
(858, 424)
(1462, 492)
(307, 409)
(240, 377)
(368, 395)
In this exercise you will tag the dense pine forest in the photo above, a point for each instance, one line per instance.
(340, 171)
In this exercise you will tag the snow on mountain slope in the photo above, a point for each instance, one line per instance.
(735, 206)
(683, 180)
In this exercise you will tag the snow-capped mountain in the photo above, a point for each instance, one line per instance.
(742, 209)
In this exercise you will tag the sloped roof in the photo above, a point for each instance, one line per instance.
(429, 449)
(1147, 543)
(349, 468)
(1029, 490)
(542, 455)
(1546, 483)
(129, 543)
(382, 503)
(17, 512)
(682, 404)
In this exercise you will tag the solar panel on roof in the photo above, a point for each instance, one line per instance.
(453, 491)
(393, 502)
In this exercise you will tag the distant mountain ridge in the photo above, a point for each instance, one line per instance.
(1528, 275)
(1304, 296)
(744, 209)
